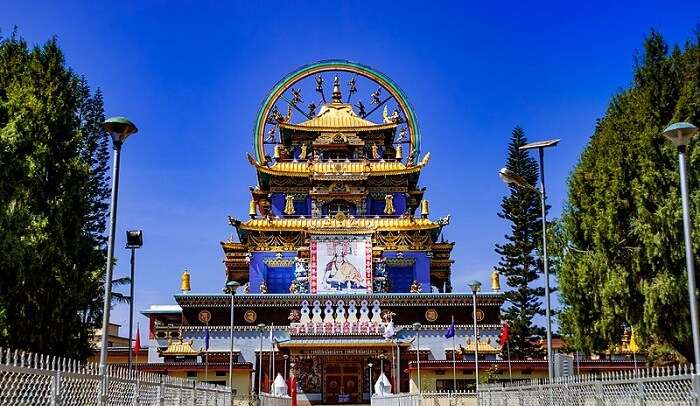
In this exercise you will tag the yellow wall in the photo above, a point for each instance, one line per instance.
(429, 377)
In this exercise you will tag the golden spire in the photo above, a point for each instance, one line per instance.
(251, 209)
(185, 282)
(289, 205)
(495, 281)
(424, 208)
(389, 204)
(336, 90)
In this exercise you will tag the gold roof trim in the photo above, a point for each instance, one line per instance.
(321, 225)
(485, 347)
(179, 347)
(340, 168)
(337, 117)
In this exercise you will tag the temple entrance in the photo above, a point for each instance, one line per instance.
(342, 382)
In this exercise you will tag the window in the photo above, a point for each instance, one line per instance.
(191, 374)
(220, 373)
(440, 372)
(338, 206)
(444, 385)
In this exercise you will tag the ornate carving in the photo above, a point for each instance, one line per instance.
(404, 240)
(416, 287)
(275, 241)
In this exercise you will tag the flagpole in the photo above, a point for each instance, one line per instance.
(510, 371)
(454, 360)
(206, 356)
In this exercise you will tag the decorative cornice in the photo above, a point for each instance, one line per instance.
(294, 300)
(355, 224)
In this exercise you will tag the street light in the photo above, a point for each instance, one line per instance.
(261, 328)
(286, 357)
(512, 178)
(134, 240)
(416, 326)
(370, 378)
(681, 134)
(475, 287)
(120, 128)
(230, 288)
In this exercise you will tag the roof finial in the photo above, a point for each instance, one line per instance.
(336, 90)
(185, 282)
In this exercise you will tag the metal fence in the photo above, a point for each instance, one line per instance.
(267, 399)
(31, 379)
(398, 399)
(667, 387)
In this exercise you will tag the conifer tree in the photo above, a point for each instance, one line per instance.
(519, 262)
(53, 189)
(624, 262)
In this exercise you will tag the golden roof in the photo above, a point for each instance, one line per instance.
(340, 223)
(485, 347)
(340, 168)
(335, 116)
(179, 347)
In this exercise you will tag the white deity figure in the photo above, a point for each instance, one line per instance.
(340, 312)
(352, 312)
(316, 318)
(305, 319)
(376, 313)
(364, 312)
(328, 311)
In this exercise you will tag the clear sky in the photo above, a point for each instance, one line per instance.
(192, 75)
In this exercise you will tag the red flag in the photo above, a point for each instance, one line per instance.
(137, 344)
(292, 387)
(505, 334)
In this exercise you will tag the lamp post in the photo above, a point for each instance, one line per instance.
(512, 178)
(475, 287)
(370, 378)
(382, 357)
(286, 357)
(120, 128)
(134, 240)
(681, 134)
(230, 288)
(261, 328)
(416, 326)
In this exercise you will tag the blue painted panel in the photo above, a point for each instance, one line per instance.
(279, 279)
(400, 278)
(278, 201)
(258, 272)
(400, 203)
(421, 268)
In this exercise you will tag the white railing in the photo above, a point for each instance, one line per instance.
(398, 399)
(267, 399)
(667, 386)
(459, 398)
(33, 379)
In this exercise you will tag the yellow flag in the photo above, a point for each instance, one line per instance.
(633, 343)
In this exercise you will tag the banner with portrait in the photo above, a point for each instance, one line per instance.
(341, 264)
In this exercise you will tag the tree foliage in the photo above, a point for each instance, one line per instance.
(624, 262)
(519, 262)
(54, 158)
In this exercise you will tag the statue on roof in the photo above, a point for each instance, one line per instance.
(375, 96)
(389, 119)
(402, 135)
(416, 287)
(361, 109)
(296, 96)
(263, 287)
(312, 109)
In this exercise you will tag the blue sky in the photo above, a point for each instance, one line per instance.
(192, 74)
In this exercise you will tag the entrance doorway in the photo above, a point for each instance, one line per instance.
(342, 382)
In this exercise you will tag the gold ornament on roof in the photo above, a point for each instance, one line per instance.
(389, 204)
(399, 152)
(495, 281)
(251, 209)
(185, 282)
(289, 205)
(424, 208)
(303, 152)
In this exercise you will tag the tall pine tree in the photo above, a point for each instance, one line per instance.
(624, 263)
(519, 262)
(53, 190)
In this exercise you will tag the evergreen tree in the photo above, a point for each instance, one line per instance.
(519, 262)
(624, 262)
(53, 190)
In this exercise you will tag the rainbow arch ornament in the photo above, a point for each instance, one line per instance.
(335, 65)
